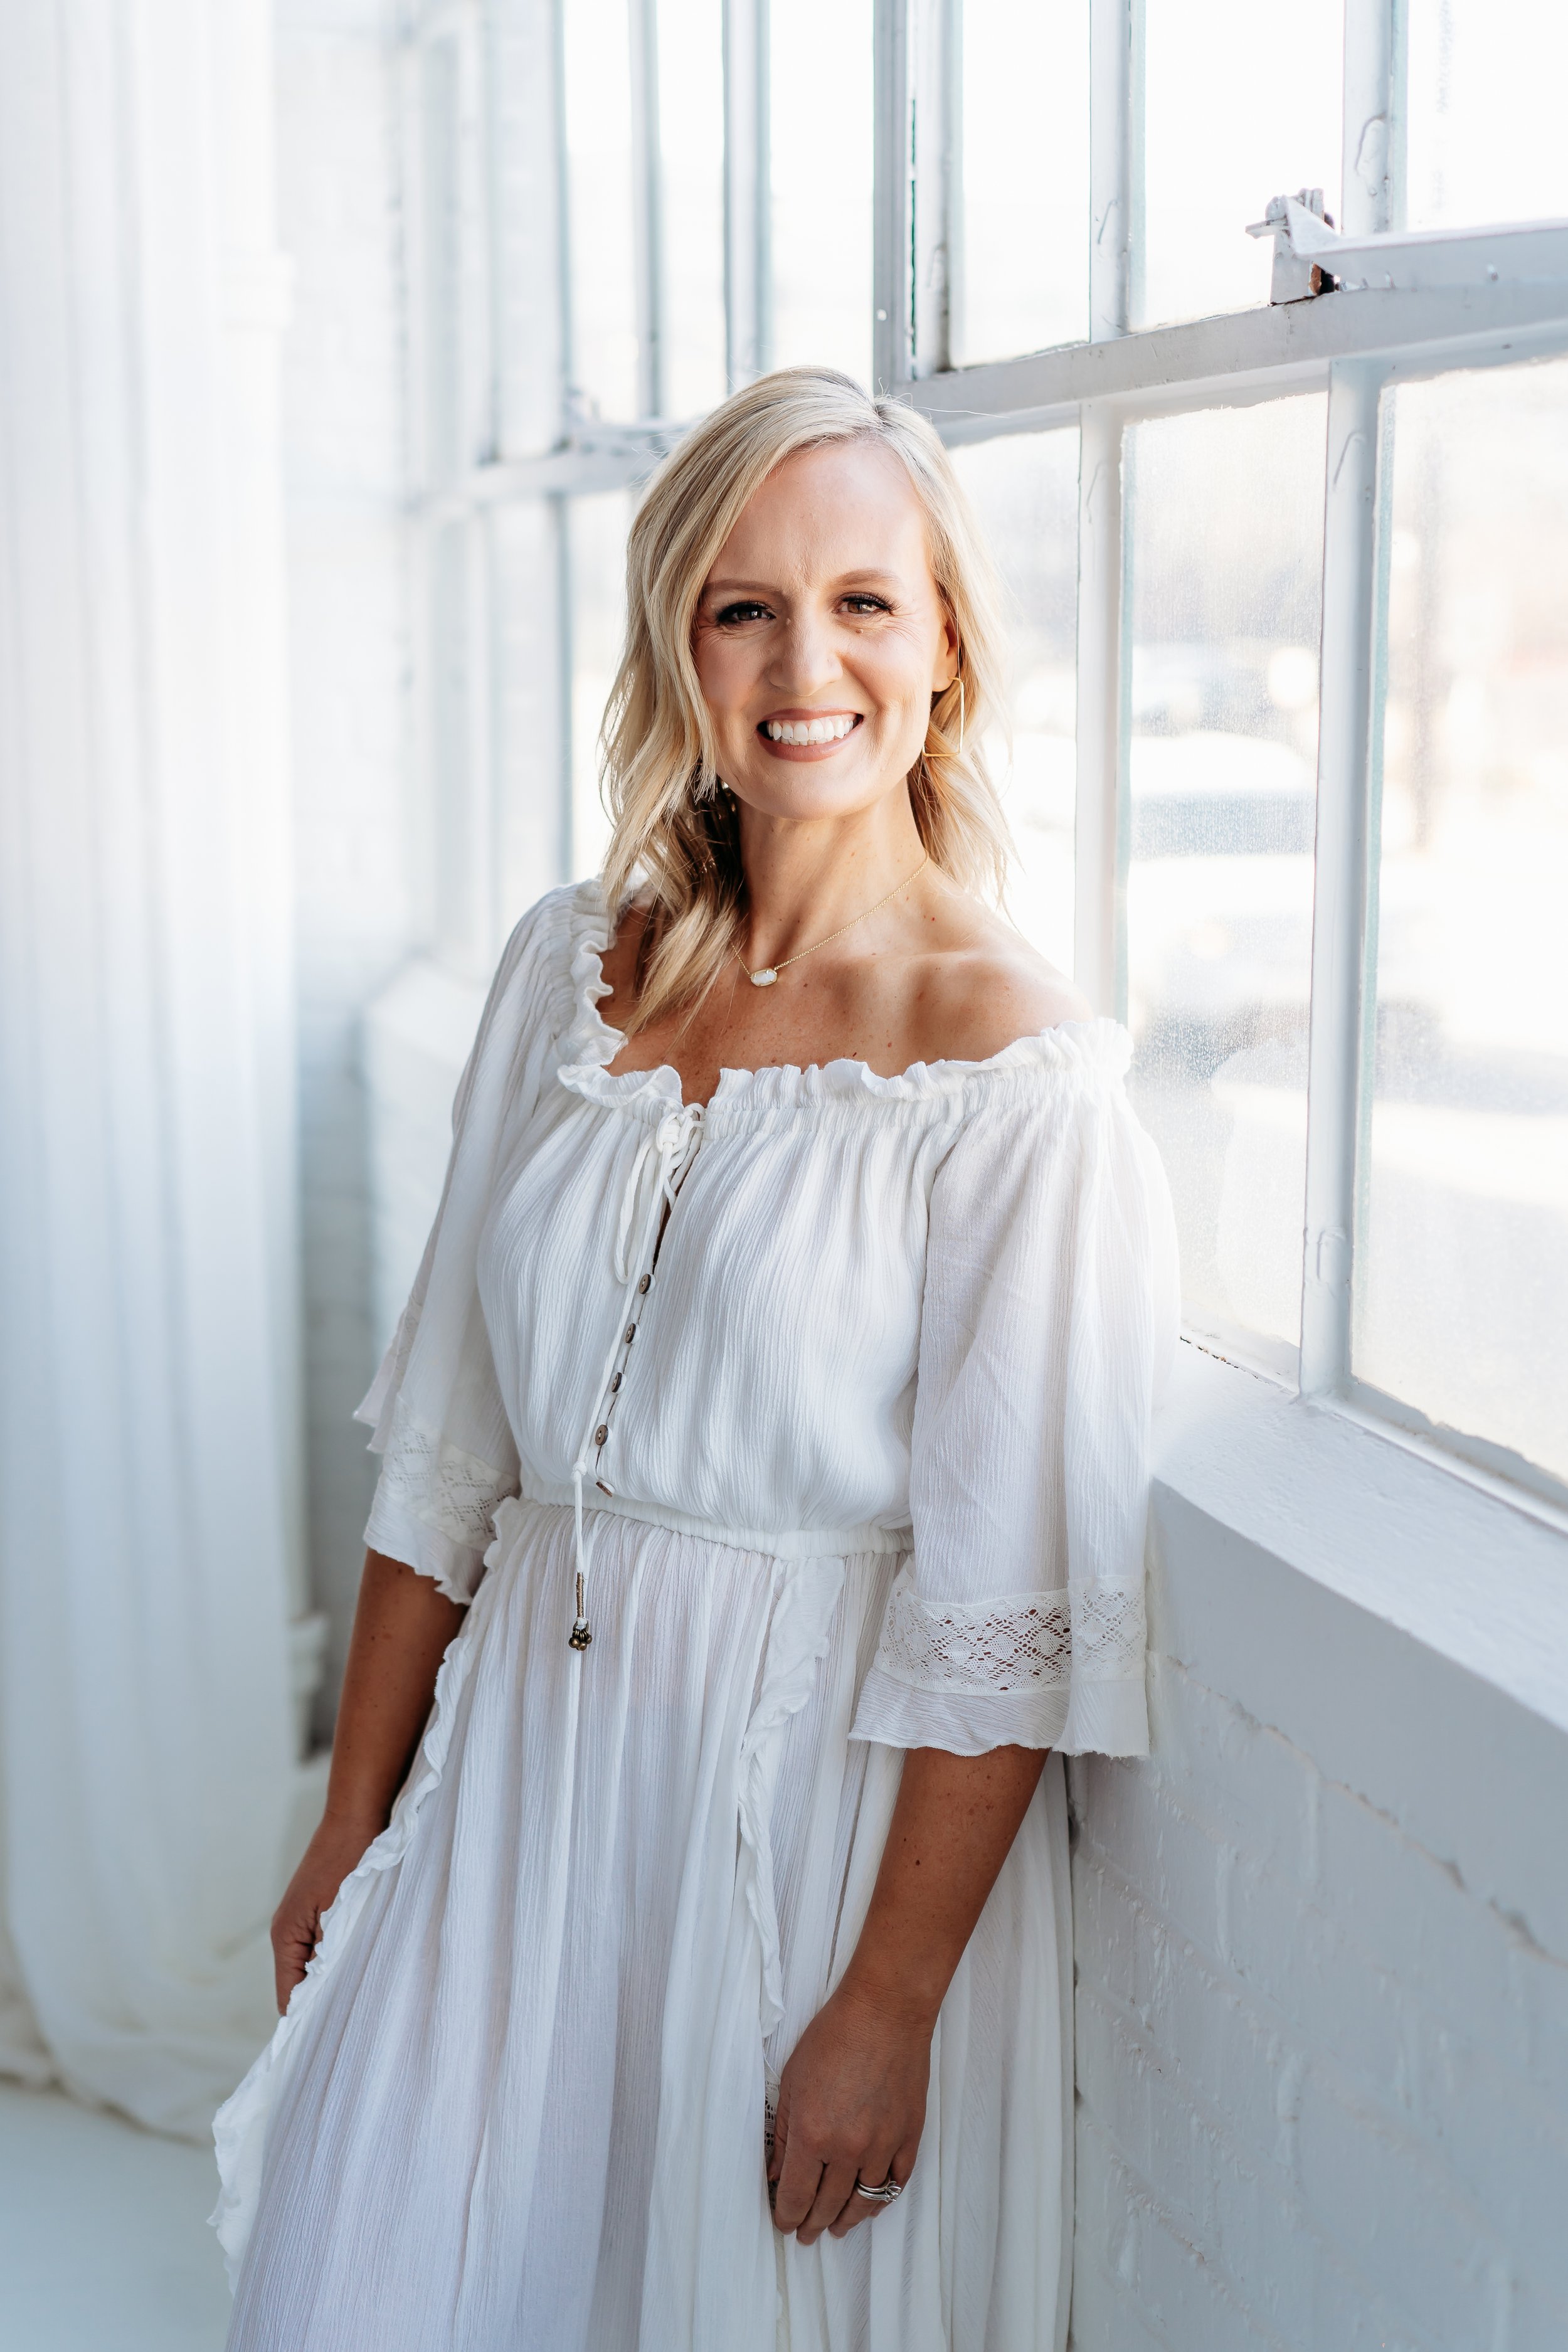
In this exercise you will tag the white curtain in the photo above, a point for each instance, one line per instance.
(149, 1452)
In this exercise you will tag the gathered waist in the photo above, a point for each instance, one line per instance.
(777, 1543)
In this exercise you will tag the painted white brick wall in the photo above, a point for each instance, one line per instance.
(1323, 2065)
(339, 194)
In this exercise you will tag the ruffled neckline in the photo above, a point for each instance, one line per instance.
(1087, 1049)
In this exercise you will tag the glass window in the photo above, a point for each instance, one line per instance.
(532, 820)
(452, 706)
(1225, 561)
(1484, 112)
(691, 138)
(1024, 490)
(1023, 281)
(598, 528)
(441, 217)
(1462, 1272)
(821, 149)
(1237, 108)
(597, 42)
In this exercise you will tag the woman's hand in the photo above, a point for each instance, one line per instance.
(852, 2105)
(331, 1854)
(852, 2100)
(402, 1627)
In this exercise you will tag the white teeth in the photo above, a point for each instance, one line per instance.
(810, 730)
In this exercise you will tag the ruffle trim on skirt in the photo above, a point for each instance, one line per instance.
(240, 2125)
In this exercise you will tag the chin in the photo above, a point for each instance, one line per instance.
(809, 792)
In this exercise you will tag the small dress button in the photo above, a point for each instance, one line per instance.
(615, 1384)
(631, 1333)
(601, 1432)
(643, 1286)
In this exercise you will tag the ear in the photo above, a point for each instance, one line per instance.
(946, 666)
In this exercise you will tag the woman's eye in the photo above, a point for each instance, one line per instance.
(734, 616)
(861, 605)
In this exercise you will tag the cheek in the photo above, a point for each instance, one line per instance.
(726, 669)
(897, 670)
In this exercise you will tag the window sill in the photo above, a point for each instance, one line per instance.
(1478, 1578)
(1401, 1627)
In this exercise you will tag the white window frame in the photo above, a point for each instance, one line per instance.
(1409, 307)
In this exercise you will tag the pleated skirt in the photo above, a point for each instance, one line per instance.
(518, 2105)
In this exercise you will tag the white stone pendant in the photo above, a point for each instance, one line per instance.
(762, 979)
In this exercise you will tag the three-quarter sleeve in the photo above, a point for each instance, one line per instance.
(436, 1416)
(1047, 1310)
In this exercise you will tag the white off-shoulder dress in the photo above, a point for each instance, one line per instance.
(853, 1377)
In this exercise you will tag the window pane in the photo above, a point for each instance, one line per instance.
(1023, 279)
(1485, 110)
(1023, 490)
(691, 138)
(599, 180)
(820, 133)
(527, 626)
(1462, 1276)
(441, 218)
(1240, 104)
(454, 706)
(1225, 553)
(598, 542)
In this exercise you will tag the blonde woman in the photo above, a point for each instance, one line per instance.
(762, 1497)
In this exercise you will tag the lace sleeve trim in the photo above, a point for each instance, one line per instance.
(1018, 1642)
(440, 1485)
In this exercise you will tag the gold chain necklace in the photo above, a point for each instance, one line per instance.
(765, 977)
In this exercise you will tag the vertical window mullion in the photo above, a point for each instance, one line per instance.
(1370, 199)
(1342, 878)
(1111, 167)
(561, 518)
(560, 511)
(648, 208)
(1098, 954)
(891, 281)
(747, 194)
(1097, 949)
(936, 66)
(1368, 203)
(565, 334)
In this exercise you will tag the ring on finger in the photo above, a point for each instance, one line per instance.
(883, 2194)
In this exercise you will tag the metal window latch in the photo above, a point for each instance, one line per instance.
(1298, 274)
(1310, 256)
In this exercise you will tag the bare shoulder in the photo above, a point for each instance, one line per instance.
(980, 986)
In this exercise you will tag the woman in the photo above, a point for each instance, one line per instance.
(762, 1497)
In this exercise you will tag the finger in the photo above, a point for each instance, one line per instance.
(858, 2209)
(292, 1947)
(835, 2190)
(797, 2184)
(897, 2167)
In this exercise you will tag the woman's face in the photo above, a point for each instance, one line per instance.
(821, 636)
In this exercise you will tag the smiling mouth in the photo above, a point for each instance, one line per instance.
(831, 729)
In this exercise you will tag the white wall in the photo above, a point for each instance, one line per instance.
(349, 650)
(1322, 1934)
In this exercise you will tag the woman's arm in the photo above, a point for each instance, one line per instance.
(402, 1627)
(853, 2096)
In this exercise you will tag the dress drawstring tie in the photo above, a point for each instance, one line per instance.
(656, 1175)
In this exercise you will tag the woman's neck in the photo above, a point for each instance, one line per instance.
(806, 877)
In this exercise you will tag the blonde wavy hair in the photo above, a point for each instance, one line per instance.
(676, 837)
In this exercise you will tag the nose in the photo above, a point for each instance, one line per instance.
(806, 657)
